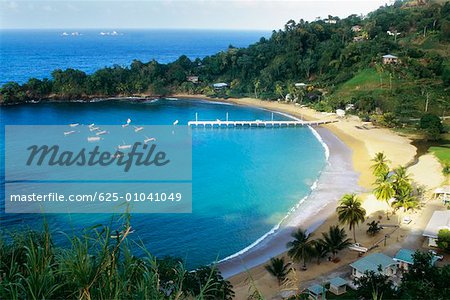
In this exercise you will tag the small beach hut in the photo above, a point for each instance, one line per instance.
(316, 292)
(405, 258)
(439, 220)
(356, 28)
(338, 285)
(390, 59)
(443, 193)
(193, 79)
(373, 262)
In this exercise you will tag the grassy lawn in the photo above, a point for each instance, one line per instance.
(442, 153)
(368, 80)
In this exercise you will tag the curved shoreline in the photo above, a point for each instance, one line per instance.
(291, 211)
(273, 243)
(336, 179)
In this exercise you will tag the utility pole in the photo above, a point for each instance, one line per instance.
(426, 103)
(390, 81)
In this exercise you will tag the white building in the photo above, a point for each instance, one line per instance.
(439, 220)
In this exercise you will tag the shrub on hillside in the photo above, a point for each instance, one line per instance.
(432, 125)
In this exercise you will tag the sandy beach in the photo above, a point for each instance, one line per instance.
(354, 142)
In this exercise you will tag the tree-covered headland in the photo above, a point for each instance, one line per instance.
(338, 60)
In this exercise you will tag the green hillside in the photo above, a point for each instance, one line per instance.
(339, 60)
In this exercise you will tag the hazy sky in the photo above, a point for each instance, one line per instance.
(206, 14)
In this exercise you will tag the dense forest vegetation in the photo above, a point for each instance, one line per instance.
(339, 60)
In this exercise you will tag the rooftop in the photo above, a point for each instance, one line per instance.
(338, 281)
(220, 84)
(372, 261)
(439, 220)
(406, 255)
(443, 190)
(316, 289)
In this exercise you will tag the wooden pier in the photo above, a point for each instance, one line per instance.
(257, 123)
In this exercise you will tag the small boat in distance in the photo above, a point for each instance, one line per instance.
(119, 234)
(101, 132)
(124, 147)
(128, 123)
(69, 132)
(137, 129)
(93, 138)
(147, 139)
(91, 125)
(175, 123)
(94, 128)
(74, 124)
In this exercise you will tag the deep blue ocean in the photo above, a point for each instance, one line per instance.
(244, 180)
(30, 53)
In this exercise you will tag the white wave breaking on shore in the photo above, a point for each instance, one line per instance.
(297, 205)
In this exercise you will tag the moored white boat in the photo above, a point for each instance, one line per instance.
(93, 138)
(101, 132)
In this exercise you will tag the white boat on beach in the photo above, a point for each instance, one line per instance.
(69, 132)
(91, 125)
(93, 128)
(101, 132)
(74, 124)
(137, 129)
(357, 247)
(93, 138)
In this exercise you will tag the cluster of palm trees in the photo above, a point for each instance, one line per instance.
(303, 248)
(394, 187)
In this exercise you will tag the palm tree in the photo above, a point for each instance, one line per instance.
(380, 166)
(320, 250)
(351, 212)
(374, 228)
(301, 247)
(335, 240)
(406, 200)
(278, 269)
(384, 190)
(257, 84)
(401, 181)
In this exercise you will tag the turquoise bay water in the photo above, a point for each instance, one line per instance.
(244, 180)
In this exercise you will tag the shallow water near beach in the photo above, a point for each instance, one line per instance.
(245, 181)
